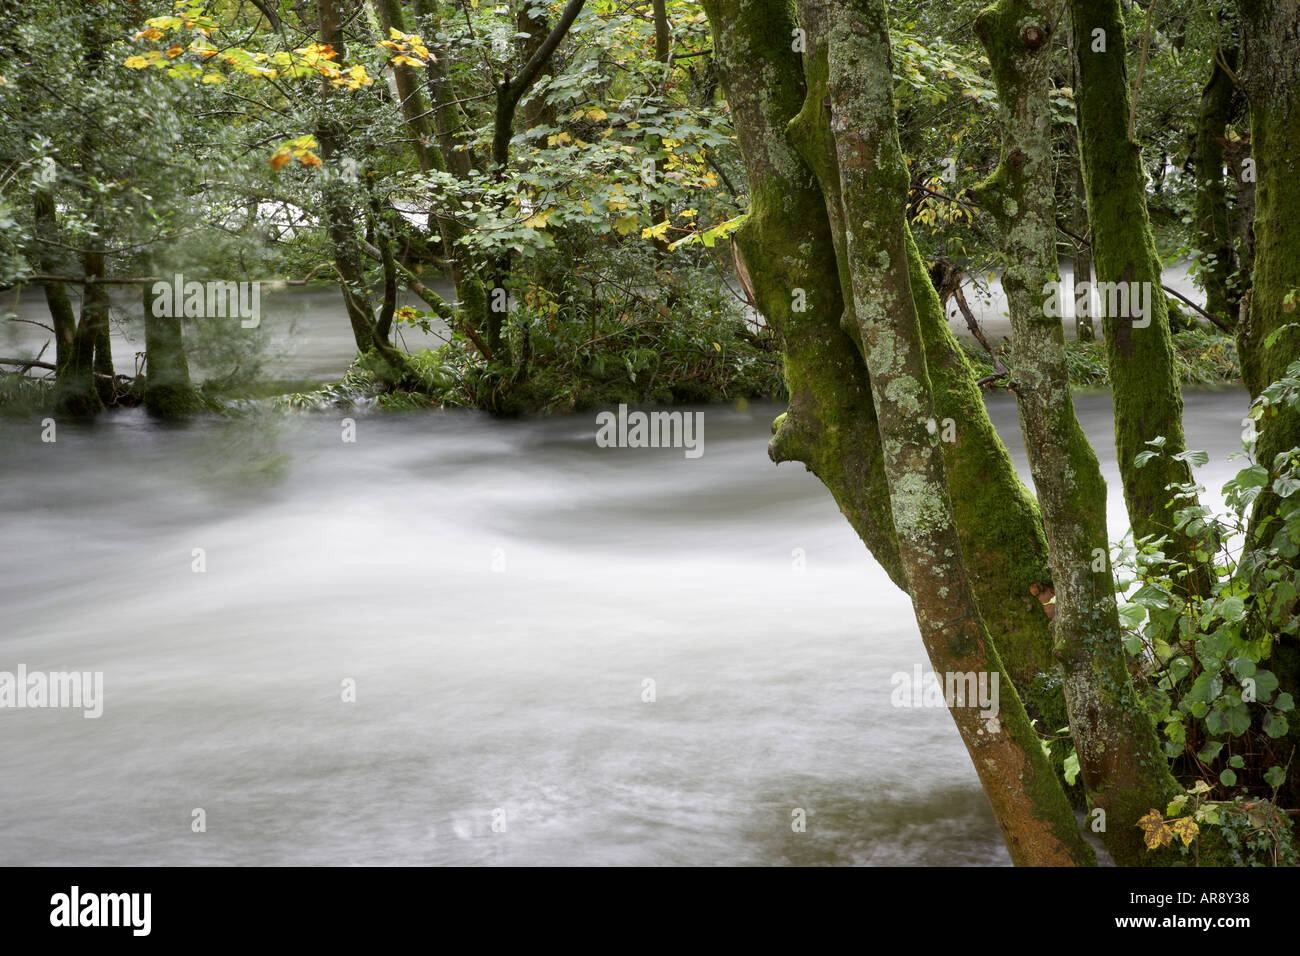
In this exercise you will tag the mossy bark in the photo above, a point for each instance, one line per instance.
(1214, 232)
(1006, 552)
(1271, 74)
(787, 249)
(1018, 779)
(1143, 374)
(831, 425)
(1124, 770)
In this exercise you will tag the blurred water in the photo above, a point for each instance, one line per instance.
(499, 591)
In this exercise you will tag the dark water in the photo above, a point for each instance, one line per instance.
(499, 592)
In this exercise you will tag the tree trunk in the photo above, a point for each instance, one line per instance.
(168, 392)
(1026, 797)
(340, 214)
(1144, 379)
(1006, 553)
(431, 155)
(1214, 236)
(1083, 327)
(58, 300)
(1272, 79)
(1123, 767)
(788, 251)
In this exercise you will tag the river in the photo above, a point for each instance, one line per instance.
(499, 592)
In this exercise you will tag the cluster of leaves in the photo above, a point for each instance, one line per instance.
(1202, 357)
(1251, 832)
(1204, 654)
(593, 343)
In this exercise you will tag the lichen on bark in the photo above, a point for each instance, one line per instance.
(1123, 767)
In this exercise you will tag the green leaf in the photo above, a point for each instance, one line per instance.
(1132, 615)
(1195, 458)
(1275, 725)
(1232, 609)
(1242, 667)
(1071, 768)
(1286, 486)
(1275, 776)
(1256, 476)
(1228, 778)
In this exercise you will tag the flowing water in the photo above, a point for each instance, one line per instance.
(498, 594)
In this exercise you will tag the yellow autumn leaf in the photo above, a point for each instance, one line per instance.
(278, 160)
(625, 225)
(538, 219)
(597, 115)
(136, 62)
(149, 34)
(1186, 828)
(175, 51)
(213, 78)
(308, 158)
(1155, 833)
(656, 231)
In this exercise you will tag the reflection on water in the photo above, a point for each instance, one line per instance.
(500, 592)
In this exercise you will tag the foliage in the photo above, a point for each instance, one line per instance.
(1203, 657)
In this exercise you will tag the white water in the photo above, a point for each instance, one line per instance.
(477, 689)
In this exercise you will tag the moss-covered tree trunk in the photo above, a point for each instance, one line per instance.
(1006, 553)
(788, 250)
(1214, 233)
(1083, 327)
(1271, 74)
(1124, 770)
(1021, 786)
(1144, 379)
